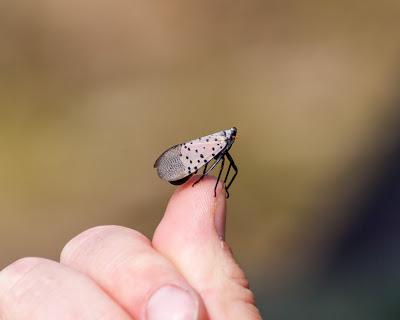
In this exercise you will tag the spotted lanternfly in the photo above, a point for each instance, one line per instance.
(177, 164)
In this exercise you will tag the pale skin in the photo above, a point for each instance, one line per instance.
(186, 271)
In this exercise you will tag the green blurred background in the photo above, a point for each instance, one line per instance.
(91, 92)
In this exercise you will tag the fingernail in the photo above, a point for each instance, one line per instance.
(220, 216)
(172, 303)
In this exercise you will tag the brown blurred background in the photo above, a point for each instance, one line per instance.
(91, 92)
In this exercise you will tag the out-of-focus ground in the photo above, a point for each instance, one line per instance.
(91, 92)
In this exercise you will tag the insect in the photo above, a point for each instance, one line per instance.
(178, 163)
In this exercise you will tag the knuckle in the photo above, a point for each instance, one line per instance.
(236, 275)
(238, 280)
(16, 279)
(94, 237)
(76, 244)
(21, 267)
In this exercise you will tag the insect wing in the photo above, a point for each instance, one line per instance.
(196, 153)
(182, 160)
(169, 165)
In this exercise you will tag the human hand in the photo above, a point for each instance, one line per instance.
(111, 272)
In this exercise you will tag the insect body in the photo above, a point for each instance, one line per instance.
(177, 164)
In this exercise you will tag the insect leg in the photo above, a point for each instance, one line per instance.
(215, 163)
(226, 178)
(232, 162)
(219, 176)
(202, 176)
(208, 171)
(205, 168)
(227, 172)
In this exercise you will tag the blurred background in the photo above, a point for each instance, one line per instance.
(91, 92)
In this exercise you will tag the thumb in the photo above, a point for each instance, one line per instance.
(191, 235)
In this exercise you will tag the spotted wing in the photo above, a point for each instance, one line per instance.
(196, 153)
(182, 160)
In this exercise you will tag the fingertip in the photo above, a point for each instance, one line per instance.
(197, 190)
(195, 209)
